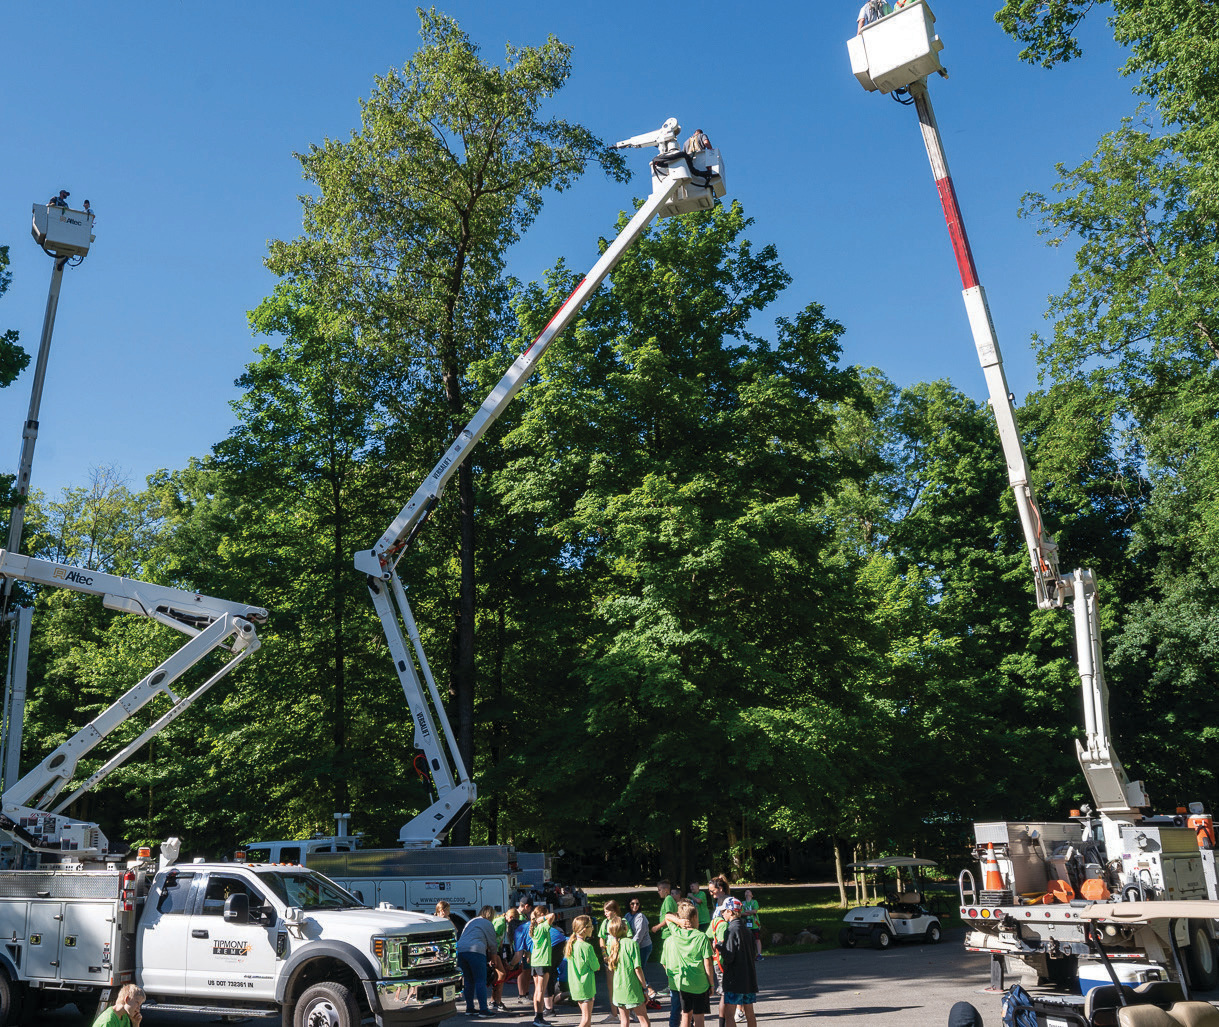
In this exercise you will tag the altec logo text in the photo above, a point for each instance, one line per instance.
(73, 576)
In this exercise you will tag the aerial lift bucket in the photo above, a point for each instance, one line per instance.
(900, 48)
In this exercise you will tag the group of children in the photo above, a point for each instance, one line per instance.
(700, 955)
(703, 956)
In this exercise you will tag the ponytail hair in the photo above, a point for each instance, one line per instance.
(582, 928)
(617, 930)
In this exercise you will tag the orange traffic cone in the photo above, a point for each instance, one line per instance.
(994, 879)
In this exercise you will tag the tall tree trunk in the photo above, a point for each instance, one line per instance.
(497, 726)
(684, 878)
(842, 886)
(463, 670)
(340, 571)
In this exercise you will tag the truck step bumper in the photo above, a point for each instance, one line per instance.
(252, 1012)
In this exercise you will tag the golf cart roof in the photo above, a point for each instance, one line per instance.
(888, 862)
(1144, 912)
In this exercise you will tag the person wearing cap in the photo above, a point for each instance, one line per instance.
(88, 210)
(739, 966)
(59, 201)
(715, 934)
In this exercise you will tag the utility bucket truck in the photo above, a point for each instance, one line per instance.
(1036, 876)
(681, 182)
(226, 940)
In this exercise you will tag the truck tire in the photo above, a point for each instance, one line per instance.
(328, 1004)
(1201, 957)
(12, 1001)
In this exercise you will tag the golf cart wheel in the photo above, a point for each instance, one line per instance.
(934, 933)
(846, 938)
(880, 938)
(1201, 958)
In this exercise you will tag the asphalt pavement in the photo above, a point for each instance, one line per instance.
(910, 985)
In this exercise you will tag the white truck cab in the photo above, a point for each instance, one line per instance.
(224, 936)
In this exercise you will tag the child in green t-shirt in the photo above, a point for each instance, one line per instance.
(699, 898)
(539, 959)
(630, 986)
(610, 913)
(752, 920)
(687, 958)
(582, 967)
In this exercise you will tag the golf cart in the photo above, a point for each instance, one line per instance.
(1124, 938)
(903, 915)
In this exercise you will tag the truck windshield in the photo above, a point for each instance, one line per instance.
(307, 890)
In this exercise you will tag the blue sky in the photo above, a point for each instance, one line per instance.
(179, 122)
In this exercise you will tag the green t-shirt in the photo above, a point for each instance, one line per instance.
(750, 908)
(717, 930)
(627, 989)
(539, 958)
(704, 914)
(582, 967)
(683, 958)
(668, 906)
(501, 925)
(110, 1018)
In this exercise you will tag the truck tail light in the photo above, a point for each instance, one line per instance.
(128, 895)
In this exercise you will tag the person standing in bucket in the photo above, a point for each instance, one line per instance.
(871, 11)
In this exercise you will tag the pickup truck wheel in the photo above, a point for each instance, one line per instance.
(12, 1000)
(328, 1004)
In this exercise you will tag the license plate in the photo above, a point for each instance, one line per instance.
(450, 992)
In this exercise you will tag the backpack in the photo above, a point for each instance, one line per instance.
(1018, 1008)
(715, 947)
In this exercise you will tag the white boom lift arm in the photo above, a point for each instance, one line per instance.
(680, 183)
(899, 52)
(25, 807)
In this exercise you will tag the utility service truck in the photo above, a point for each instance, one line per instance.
(1038, 878)
(235, 940)
(683, 179)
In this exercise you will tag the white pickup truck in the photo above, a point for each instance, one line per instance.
(256, 940)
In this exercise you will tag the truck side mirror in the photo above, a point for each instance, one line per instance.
(237, 908)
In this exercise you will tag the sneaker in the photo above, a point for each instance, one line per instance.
(539, 1021)
(652, 1004)
(740, 1016)
(485, 1014)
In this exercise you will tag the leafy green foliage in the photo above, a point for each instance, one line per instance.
(407, 233)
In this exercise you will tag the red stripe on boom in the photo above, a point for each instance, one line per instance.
(555, 317)
(956, 230)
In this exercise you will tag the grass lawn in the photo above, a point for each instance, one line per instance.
(785, 910)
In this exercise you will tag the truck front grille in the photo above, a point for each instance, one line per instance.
(428, 951)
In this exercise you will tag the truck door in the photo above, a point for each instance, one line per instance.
(161, 935)
(227, 960)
